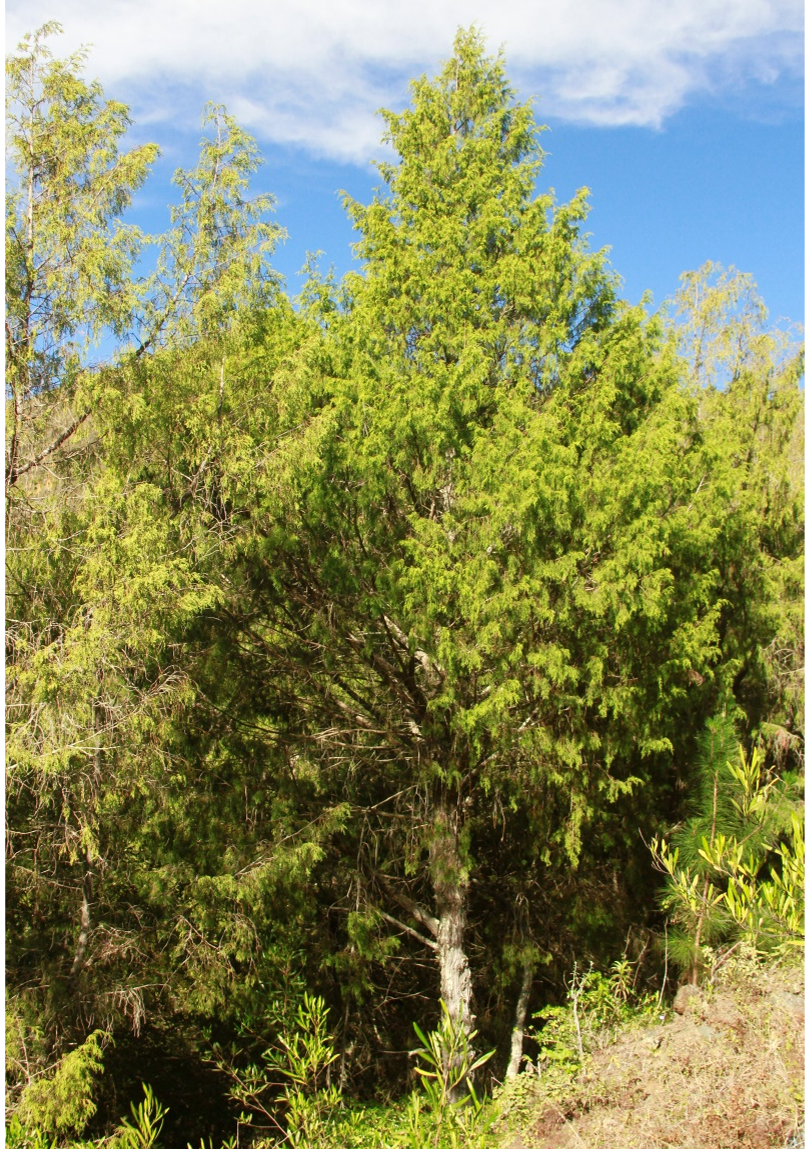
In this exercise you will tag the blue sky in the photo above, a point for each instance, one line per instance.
(684, 117)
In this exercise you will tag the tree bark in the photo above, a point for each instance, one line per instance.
(450, 888)
(521, 1010)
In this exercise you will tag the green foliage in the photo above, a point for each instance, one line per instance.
(25, 1046)
(69, 259)
(291, 1095)
(63, 1102)
(103, 577)
(291, 1092)
(144, 1129)
(62, 1105)
(735, 870)
(448, 1111)
(20, 1136)
(747, 378)
(213, 261)
(598, 1006)
(287, 1091)
(344, 634)
(473, 568)
(303, 1060)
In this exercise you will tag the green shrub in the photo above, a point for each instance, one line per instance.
(144, 1129)
(62, 1103)
(448, 1111)
(597, 1006)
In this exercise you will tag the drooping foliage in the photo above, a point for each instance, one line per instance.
(102, 577)
(356, 645)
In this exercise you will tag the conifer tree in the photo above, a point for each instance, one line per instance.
(69, 259)
(746, 376)
(101, 574)
(735, 867)
(459, 591)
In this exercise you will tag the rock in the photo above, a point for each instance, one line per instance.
(654, 1036)
(685, 998)
(791, 1002)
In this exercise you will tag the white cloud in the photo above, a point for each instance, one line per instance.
(313, 72)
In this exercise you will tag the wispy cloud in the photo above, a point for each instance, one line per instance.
(313, 72)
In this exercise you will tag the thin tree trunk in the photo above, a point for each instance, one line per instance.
(347, 1049)
(695, 972)
(85, 920)
(80, 953)
(521, 1010)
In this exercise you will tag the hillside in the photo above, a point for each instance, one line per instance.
(724, 1069)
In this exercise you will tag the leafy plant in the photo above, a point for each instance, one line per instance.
(303, 1060)
(21, 1136)
(62, 1102)
(290, 1092)
(146, 1125)
(735, 870)
(597, 1006)
(449, 1111)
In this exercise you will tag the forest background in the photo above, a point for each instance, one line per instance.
(362, 645)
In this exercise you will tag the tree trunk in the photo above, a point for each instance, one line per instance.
(521, 1010)
(450, 887)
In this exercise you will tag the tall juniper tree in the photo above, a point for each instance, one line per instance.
(459, 600)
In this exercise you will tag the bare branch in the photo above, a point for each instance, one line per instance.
(13, 473)
(408, 930)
